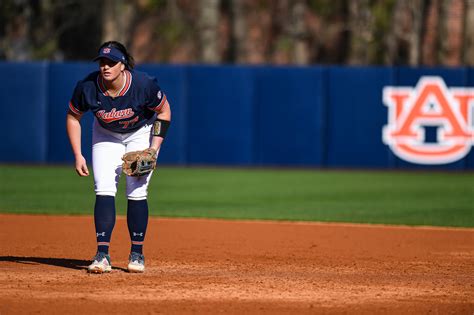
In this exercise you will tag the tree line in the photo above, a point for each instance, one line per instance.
(291, 32)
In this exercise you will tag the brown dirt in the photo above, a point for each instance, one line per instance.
(235, 267)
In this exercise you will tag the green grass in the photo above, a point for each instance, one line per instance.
(410, 198)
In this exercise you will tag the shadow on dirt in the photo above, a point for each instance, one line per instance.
(76, 264)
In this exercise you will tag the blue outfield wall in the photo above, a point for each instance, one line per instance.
(24, 112)
(355, 117)
(234, 115)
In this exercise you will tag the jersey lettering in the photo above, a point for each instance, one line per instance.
(114, 114)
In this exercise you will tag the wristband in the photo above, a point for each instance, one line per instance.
(160, 128)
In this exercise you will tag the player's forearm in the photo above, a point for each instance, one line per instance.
(156, 143)
(163, 114)
(73, 127)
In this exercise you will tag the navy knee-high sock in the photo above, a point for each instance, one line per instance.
(104, 218)
(137, 221)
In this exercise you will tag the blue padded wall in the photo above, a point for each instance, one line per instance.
(230, 115)
(290, 116)
(356, 117)
(24, 112)
(220, 115)
(469, 160)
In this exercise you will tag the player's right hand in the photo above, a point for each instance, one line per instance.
(81, 166)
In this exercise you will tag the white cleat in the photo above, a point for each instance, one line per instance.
(136, 262)
(101, 264)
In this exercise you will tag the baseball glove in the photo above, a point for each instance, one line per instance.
(139, 163)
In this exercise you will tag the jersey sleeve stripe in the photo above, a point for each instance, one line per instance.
(74, 110)
(163, 101)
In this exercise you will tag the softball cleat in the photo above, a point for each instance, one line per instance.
(136, 262)
(101, 264)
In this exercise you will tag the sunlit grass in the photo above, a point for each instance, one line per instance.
(413, 198)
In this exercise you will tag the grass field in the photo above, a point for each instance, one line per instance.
(409, 198)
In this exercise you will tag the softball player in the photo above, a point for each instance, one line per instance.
(126, 104)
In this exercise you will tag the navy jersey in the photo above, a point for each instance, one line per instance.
(136, 103)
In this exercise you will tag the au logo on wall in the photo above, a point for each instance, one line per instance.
(429, 123)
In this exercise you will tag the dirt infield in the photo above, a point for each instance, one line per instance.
(234, 267)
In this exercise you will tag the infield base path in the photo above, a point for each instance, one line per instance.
(235, 267)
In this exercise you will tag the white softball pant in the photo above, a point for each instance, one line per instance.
(108, 147)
